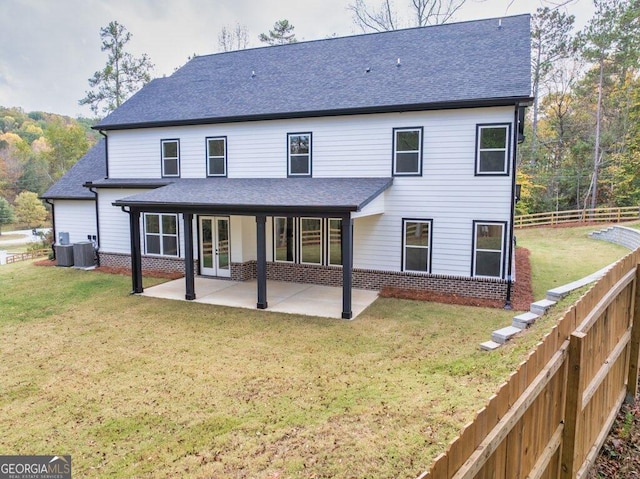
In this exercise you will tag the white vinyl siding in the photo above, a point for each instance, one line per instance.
(76, 217)
(448, 192)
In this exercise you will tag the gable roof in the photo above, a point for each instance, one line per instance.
(483, 62)
(90, 166)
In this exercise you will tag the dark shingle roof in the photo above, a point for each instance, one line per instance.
(455, 64)
(91, 166)
(252, 195)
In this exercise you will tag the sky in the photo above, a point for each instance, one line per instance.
(50, 48)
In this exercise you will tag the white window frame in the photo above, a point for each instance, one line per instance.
(420, 131)
(291, 155)
(164, 158)
(327, 230)
(161, 234)
(300, 233)
(217, 157)
(506, 150)
(405, 223)
(294, 239)
(479, 224)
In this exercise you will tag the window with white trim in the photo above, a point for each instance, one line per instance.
(170, 157)
(417, 245)
(284, 235)
(334, 242)
(161, 234)
(407, 151)
(299, 154)
(492, 149)
(311, 240)
(488, 251)
(307, 240)
(217, 156)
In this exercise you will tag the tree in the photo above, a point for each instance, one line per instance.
(601, 39)
(421, 13)
(123, 74)
(67, 145)
(236, 38)
(6, 213)
(14, 154)
(29, 209)
(550, 41)
(281, 34)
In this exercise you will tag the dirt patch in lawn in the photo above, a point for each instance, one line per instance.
(522, 293)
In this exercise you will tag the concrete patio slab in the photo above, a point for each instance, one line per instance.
(282, 297)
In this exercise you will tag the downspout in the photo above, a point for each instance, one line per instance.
(97, 242)
(95, 194)
(53, 221)
(511, 238)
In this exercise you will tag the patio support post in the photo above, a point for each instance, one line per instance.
(190, 290)
(136, 252)
(347, 265)
(261, 221)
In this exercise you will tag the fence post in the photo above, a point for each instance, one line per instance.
(634, 345)
(573, 404)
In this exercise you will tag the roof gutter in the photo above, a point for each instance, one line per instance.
(445, 105)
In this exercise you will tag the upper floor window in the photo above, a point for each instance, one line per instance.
(417, 245)
(170, 157)
(299, 154)
(488, 250)
(161, 234)
(217, 156)
(492, 149)
(407, 151)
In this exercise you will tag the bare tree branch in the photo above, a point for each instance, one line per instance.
(420, 13)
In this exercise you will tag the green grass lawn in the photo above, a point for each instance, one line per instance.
(562, 255)
(133, 386)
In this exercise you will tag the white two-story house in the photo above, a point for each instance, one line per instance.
(364, 161)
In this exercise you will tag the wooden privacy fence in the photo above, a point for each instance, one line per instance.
(551, 417)
(608, 215)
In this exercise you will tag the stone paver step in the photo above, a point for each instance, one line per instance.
(489, 345)
(505, 334)
(524, 320)
(540, 307)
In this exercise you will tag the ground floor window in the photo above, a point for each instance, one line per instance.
(488, 249)
(307, 240)
(416, 245)
(161, 234)
(284, 239)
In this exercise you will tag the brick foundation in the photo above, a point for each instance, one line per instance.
(149, 263)
(332, 276)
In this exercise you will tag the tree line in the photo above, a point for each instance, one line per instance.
(584, 126)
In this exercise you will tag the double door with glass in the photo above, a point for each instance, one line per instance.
(214, 246)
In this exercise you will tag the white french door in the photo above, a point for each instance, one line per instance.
(214, 246)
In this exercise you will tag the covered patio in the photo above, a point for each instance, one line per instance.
(341, 198)
(291, 298)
